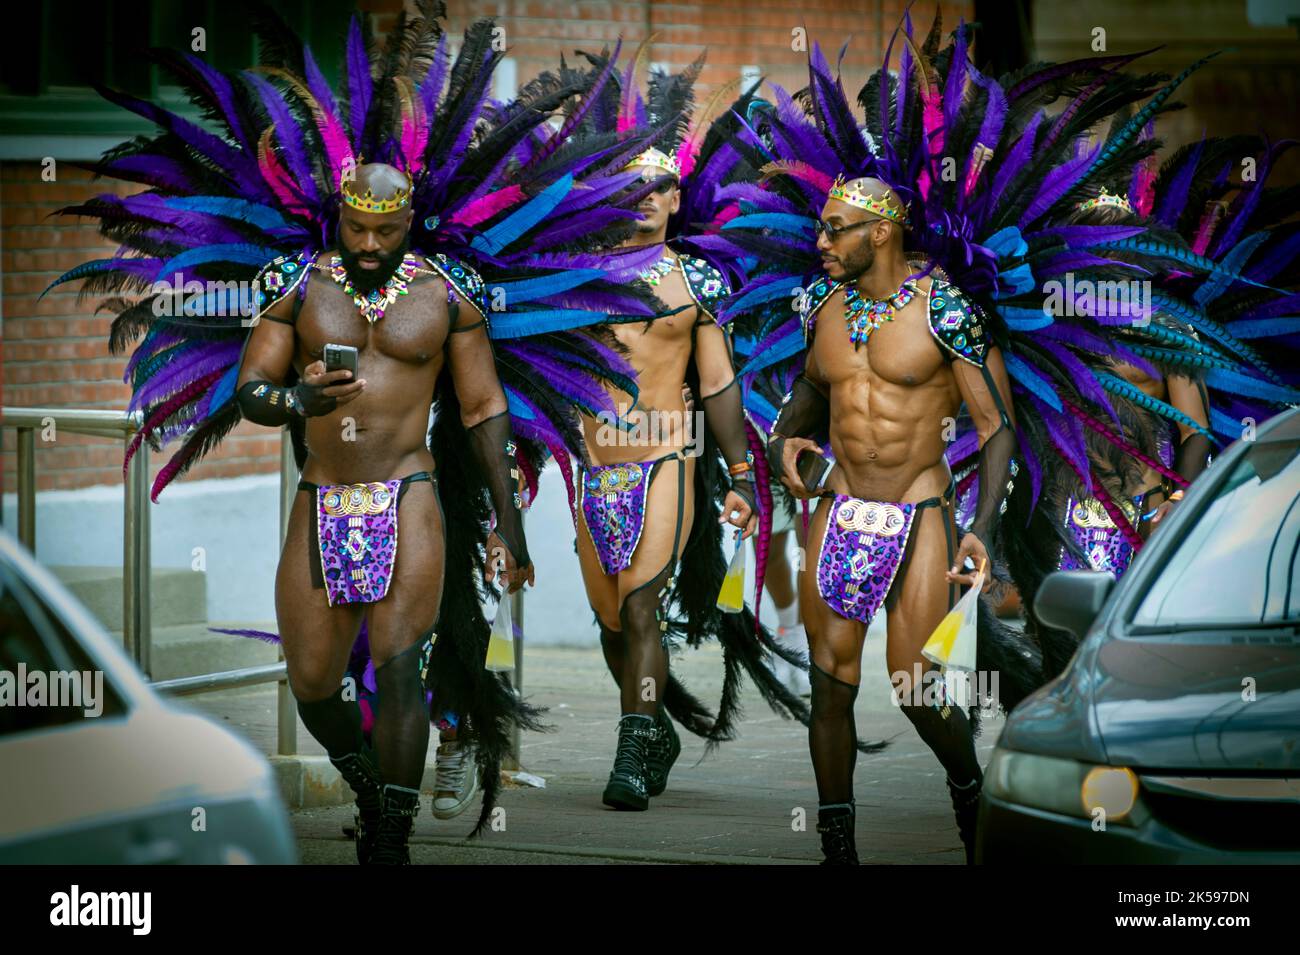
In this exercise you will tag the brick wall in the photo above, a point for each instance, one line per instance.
(55, 349)
(737, 34)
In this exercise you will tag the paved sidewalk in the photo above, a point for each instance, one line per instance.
(737, 806)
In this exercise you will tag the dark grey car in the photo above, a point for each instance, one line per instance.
(1174, 733)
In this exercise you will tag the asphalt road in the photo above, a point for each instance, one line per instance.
(742, 804)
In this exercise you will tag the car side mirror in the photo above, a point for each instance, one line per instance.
(1071, 599)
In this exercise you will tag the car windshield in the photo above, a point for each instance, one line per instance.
(1240, 564)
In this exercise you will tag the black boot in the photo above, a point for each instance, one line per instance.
(626, 788)
(661, 753)
(835, 825)
(360, 772)
(966, 807)
(397, 815)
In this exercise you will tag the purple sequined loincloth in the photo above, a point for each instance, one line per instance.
(613, 503)
(861, 552)
(357, 527)
(1097, 536)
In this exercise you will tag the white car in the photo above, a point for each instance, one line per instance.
(97, 767)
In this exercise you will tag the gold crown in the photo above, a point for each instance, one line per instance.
(366, 202)
(1106, 199)
(851, 193)
(660, 160)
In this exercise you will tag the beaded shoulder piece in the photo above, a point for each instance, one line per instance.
(281, 276)
(705, 283)
(463, 279)
(815, 296)
(958, 324)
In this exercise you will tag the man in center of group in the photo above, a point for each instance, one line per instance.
(638, 501)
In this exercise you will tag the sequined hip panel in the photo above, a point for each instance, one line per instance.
(357, 528)
(1095, 533)
(860, 555)
(613, 503)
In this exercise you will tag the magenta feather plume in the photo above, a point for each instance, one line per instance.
(488, 206)
(763, 491)
(1123, 445)
(167, 408)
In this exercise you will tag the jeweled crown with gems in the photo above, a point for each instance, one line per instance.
(366, 202)
(1106, 199)
(852, 193)
(660, 160)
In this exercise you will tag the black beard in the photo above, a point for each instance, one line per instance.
(857, 266)
(366, 281)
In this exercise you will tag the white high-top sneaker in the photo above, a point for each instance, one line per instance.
(457, 779)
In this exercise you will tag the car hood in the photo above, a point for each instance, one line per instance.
(1207, 703)
(1169, 703)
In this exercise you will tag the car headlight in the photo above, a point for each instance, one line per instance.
(1112, 789)
(1063, 786)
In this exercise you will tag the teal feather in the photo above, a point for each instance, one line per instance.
(1031, 380)
(1229, 266)
(780, 221)
(509, 229)
(1120, 387)
(1203, 323)
(145, 370)
(255, 214)
(1265, 327)
(1134, 126)
(1237, 383)
(1165, 250)
(93, 267)
(1173, 356)
(240, 253)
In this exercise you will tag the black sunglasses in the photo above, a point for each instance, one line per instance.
(834, 232)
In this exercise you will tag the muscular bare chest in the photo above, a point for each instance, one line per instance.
(412, 331)
(666, 334)
(900, 353)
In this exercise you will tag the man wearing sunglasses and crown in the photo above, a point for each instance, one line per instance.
(894, 355)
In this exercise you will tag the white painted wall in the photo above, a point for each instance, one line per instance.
(236, 521)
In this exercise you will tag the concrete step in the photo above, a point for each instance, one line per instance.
(177, 596)
(191, 649)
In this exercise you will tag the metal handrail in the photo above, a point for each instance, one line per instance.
(137, 625)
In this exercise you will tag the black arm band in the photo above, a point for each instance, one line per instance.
(272, 405)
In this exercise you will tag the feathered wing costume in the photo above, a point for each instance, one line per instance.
(257, 199)
(617, 109)
(989, 175)
(1208, 325)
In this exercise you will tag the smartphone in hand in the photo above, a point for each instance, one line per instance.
(813, 470)
(341, 356)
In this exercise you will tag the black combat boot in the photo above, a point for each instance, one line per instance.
(626, 788)
(398, 810)
(359, 771)
(835, 825)
(966, 807)
(661, 753)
